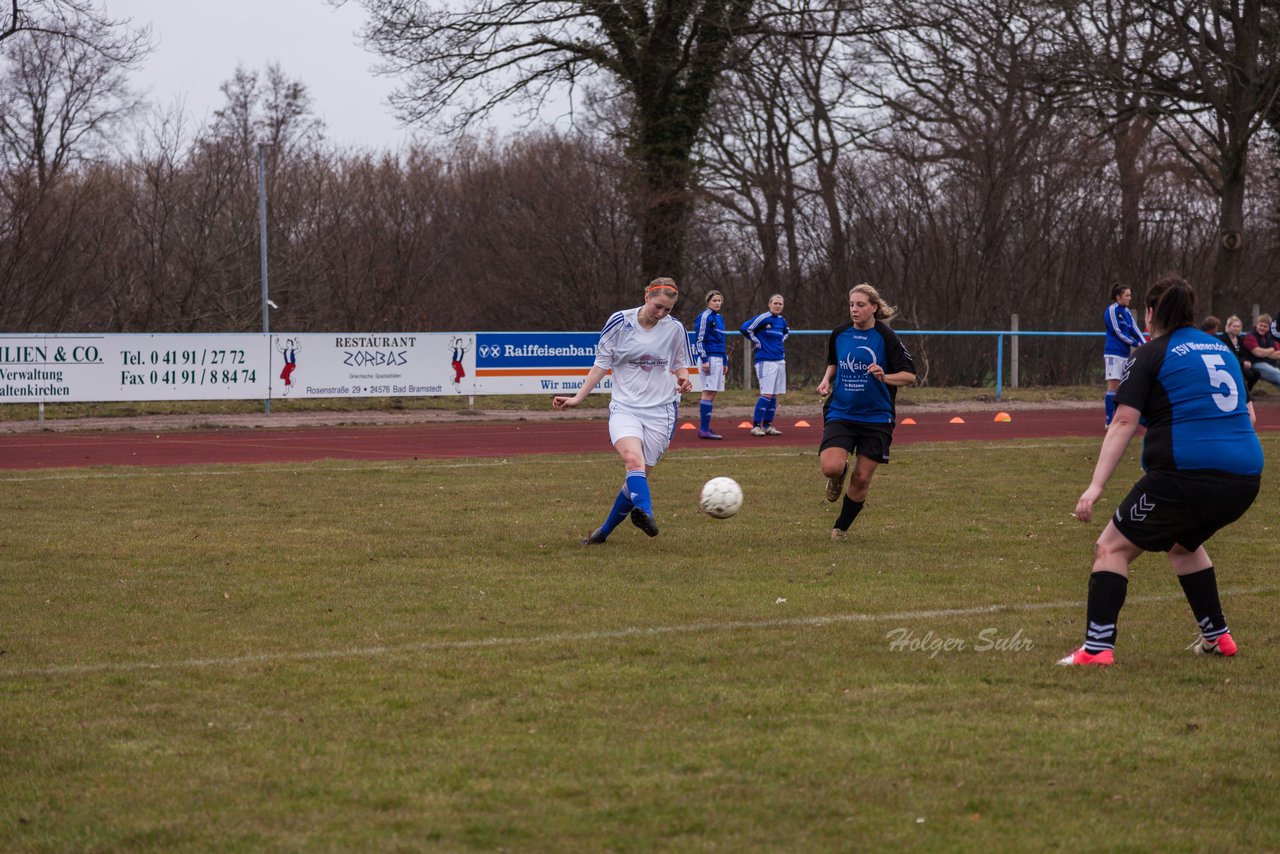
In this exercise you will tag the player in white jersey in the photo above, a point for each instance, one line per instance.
(644, 347)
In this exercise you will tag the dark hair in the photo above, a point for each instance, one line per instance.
(1172, 304)
(1117, 288)
(1210, 324)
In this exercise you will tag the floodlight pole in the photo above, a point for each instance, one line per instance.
(262, 225)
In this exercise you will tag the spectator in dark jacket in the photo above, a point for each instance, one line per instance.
(1233, 339)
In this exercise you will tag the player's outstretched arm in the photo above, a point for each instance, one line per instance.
(1123, 425)
(593, 378)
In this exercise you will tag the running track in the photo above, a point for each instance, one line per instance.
(463, 439)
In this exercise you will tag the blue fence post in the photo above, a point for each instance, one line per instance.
(999, 364)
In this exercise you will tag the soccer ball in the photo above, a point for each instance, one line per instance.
(721, 497)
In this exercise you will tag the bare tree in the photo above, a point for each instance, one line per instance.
(85, 22)
(60, 101)
(1101, 38)
(277, 111)
(960, 94)
(665, 60)
(786, 125)
(1220, 79)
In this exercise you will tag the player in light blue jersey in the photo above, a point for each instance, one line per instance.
(1123, 337)
(709, 350)
(648, 352)
(1203, 467)
(866, 363)
(767, 331)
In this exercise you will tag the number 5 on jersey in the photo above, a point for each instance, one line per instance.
(1218, 378)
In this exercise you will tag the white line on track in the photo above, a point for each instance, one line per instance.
(577, 637)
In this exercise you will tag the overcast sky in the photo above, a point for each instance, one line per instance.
(200, 42)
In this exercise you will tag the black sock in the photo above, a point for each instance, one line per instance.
(1202, 595)
(1106, 597)
(849, 511)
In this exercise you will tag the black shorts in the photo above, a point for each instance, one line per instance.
(1183, 508)
(858, 437)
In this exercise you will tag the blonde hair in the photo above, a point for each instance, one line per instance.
(884, 311)
(662, 283)
(1235, 318)
(712, 295)
(1261, 318)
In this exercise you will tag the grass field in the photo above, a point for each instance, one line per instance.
(419, 656)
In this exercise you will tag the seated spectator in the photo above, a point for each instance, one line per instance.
(1233, 339)
(1261, 344)
(1211, 325)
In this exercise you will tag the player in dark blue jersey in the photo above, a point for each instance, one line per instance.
(1203, 468)
(767, 331)
(1123, 337)
(866, 362)
(709, 350)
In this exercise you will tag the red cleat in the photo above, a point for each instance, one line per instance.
(1224, 646)
(1083, 658)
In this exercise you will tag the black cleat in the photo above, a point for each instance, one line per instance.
(644, 521)
(595, 538)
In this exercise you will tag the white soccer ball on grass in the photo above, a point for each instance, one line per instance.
(721, 497)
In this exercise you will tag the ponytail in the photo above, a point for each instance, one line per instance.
(884, 311)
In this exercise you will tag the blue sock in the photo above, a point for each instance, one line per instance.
(1111, 406)
(771, 411)
(762, 411)
(704, 410)
(638, 486)
(621, 509)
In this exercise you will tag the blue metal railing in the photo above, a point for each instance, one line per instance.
(998, 333)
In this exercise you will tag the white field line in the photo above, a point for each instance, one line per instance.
(578, 637)
(428, 465)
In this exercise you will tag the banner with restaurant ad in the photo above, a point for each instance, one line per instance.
(372, 364)
(75, 368)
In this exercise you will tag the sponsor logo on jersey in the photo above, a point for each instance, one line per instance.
(647, 362)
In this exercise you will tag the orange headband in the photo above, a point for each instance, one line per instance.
(661, 287)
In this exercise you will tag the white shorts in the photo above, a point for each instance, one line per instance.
(713, 380)
(772, 377)
(653, 426)
(1115, 366)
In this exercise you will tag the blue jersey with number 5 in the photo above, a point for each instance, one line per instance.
(1194, 403)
